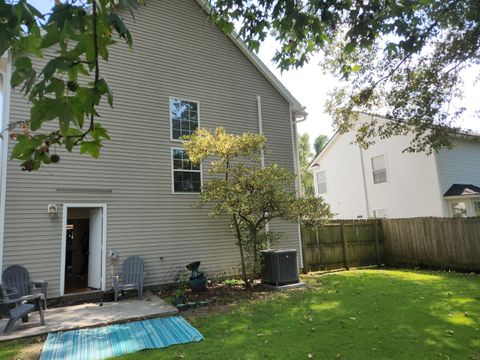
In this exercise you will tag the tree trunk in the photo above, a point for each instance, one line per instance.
(253, 235)
(242, 254)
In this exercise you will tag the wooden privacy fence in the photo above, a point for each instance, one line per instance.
(448, 243)
(342, 244)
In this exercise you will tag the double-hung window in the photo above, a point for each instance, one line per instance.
(321, 182)
(476, 208)
(184, 117)
(187, 177)
(379, 169)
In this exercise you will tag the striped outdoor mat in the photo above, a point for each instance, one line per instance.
(114, 340)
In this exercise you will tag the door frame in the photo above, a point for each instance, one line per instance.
(64, 241)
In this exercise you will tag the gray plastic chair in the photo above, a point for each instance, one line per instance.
(132, 277)
(17, 277)
(20, 310)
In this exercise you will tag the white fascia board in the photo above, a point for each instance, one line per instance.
(264, 70)
(325, 148)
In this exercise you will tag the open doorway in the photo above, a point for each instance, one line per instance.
(83, 249)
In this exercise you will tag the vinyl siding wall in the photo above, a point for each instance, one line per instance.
(460, 165)
(176, 52)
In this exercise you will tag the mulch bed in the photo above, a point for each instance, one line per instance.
(221, 298)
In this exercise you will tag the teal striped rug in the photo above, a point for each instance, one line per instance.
(114, 340)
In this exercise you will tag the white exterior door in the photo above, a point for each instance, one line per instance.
(95, 249)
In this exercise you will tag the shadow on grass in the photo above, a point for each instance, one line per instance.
(365, 314)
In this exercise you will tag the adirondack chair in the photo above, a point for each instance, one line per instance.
(17, 277)
(15, 308)
(132, 277)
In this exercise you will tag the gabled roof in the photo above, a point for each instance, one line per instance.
(462, 190)
(234, 37)
(465, 134)
(327, 145)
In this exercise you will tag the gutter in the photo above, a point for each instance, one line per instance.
(4, 152)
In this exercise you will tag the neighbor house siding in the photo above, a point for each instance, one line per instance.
(176, 52)
(411, 189)
(343, 173)
(460, 165)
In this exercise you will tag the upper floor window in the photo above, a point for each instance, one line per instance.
(379, 169)
(321, 182)
(184, 117)
(187, 177)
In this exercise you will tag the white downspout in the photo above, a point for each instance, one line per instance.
(364, 180)
(262, 152)
(260, 128)
(296, 168)
(4, 152)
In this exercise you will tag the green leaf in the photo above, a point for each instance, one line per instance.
(104, 88)
(117, 22)
(98, 132)
(91, 147)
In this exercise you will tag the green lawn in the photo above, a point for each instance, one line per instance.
(365, 314)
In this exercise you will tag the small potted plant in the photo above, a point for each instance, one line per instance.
(179, 297)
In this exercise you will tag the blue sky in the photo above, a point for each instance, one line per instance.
(310, 86)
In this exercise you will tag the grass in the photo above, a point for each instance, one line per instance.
(364, 314)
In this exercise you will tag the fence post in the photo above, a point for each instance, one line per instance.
(344, 245)
(319, 249)
(377, 244)
(304, 235)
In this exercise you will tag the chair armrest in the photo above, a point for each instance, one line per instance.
(32, 297)
(39, 285)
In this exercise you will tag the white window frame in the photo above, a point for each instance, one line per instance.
(469, 205)
(386, 169)
(170, 98)
(316, 182)
(173, 174)
(451, 203)
(474, 201)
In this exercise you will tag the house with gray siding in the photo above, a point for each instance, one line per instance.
(73, 223)
(384, 181)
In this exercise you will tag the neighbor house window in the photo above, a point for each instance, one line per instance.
(476, 208)
(321, 182)
(458, 209)
(184, 117)
(379, 169)
(186, 176)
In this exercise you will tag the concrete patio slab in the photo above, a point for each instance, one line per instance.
(89, 315)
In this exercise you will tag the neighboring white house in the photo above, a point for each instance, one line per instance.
(382, 181)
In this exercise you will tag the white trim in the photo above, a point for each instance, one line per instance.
(64, 242)
(261, 67)
(173, 170)
(364, 180)
(170, 98)
(4, 156)
(260, 129)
